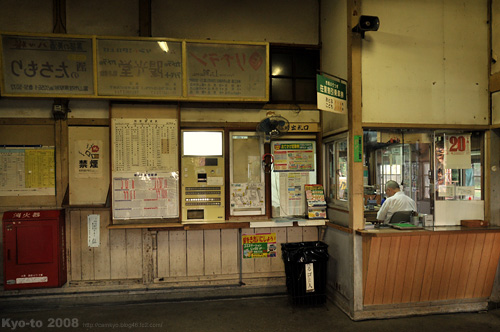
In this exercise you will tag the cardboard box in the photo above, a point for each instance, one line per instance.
(474, 223)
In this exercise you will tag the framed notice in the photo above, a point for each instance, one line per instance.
(47, 66)
(227, 71)
(139, 68)
(145, 164)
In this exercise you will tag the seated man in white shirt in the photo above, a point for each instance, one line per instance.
(396, 201)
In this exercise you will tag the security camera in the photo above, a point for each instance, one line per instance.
(366, 23)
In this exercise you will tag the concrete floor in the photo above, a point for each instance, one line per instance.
(273, 314)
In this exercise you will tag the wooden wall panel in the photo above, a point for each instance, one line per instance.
(381, 274)
(484, 263)
(404, 249)
(76, 246)
(410, 269)
(183, 256)
(178, 255)
(474, 265)
(163, 254)
(309, 233)
(294, 234)
(492, 267)
(229, 251)
(277, 264)
(133, 251)
(213, 260)
(421, 250)
(447, 267)
(437, 275)
(392, 265)
(194, 253)
(118, 253)
(427, 268)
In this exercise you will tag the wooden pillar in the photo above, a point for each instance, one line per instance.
(356, 208)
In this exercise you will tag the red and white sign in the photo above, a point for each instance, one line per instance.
(457, 153)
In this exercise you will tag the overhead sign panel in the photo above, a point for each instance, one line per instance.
(331, 95)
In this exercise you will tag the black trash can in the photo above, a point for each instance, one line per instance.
(305, 268)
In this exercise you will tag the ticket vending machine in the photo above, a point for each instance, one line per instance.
(202, 177)
(34, 249)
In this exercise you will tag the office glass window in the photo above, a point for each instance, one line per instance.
(247, 196)
(401, 156)
(458, 165)
(336, 171)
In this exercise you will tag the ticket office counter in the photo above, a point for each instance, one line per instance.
(448, 264)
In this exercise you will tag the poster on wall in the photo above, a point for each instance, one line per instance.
(26, 171)
(457, 151)
(146, 195)
(227, 71)
(151, 68)
(293, 156)
(47, 65)
(145, 181)
(89, 158)
(292, 194)
(260, 245)
(247, 198)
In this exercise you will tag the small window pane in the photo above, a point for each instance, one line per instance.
(281, 65)
(305, 90)
(305, 65)
(282, 89)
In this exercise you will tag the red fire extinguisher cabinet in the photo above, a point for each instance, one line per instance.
(34, 249)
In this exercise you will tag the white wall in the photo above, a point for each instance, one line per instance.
(98, 17)
(428, 63)
(26, 16)
(495, 35)
(278, 21)
(334, 54)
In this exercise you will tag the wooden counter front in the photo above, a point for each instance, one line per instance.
(423, 266)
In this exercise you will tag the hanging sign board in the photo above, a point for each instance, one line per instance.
(227, 71)
(146, 68)
(457, 151)
(47, 66)
(331, 95)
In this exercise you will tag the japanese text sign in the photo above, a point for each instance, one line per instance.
(457, 151)
(331, 95)
(47, 66)
(139, 68)
(259, 245)
(227, 70)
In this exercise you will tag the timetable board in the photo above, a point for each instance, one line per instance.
(145, 168)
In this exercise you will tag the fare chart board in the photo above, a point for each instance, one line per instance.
(145, 179)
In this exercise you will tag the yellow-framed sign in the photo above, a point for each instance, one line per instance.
(102, 67)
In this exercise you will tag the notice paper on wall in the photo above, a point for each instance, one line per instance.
(93, 228)
(27, 170)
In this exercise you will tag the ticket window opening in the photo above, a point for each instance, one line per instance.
(202, 177)
(198, 214)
